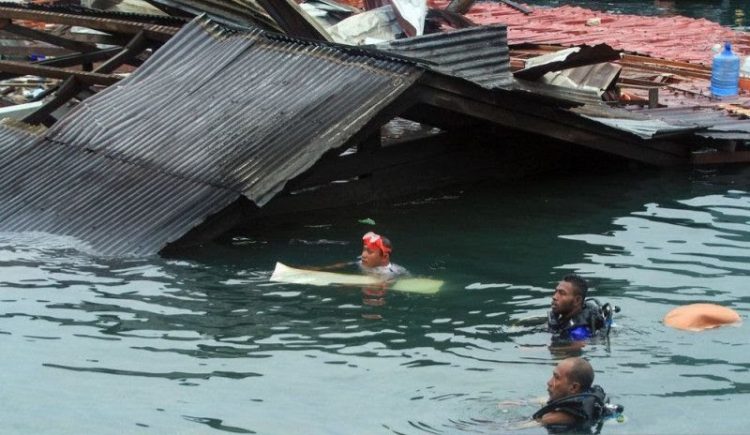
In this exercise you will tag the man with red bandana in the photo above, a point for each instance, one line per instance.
(376, 258)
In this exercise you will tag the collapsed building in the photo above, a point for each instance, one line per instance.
(217, 120)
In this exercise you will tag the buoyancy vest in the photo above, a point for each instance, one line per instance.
(588, 408)
(584, 325)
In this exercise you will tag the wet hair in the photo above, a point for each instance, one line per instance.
(580, 285)
(387, 243)
(581, 372)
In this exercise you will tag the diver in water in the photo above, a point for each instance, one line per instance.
(572, 317)
(575, 405)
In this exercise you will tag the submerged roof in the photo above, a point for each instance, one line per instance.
(213, 115)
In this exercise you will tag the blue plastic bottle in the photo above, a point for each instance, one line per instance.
(725, 73)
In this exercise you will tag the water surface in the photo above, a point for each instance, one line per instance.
(203, 343)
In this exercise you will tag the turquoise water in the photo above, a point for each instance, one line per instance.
(203, 343)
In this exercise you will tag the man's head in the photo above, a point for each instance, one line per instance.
(569, 295)
(570, 376)
(376, 250)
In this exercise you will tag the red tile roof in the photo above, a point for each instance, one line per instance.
(675, 37)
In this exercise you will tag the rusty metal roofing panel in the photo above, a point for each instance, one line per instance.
(707, 122)
(564, 95)
(478, 54)
(213, 115)
(713, 122)
(590, 78)
(645, 128)
(583, 55)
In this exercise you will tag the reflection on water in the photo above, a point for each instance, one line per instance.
(204, 343)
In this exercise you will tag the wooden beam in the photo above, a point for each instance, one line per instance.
(517, 110)
(152, 31)
(293, 20)
(71, 60)
(5, 24)
(718, 158)
(131, 50)
(69, 89)
(95, 38)
(460, 6)
(88, 78)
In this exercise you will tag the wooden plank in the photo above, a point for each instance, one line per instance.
(460, 6)
(152, 31)
(293, 20)
(718, 158)
(130, 51)
(49, 38)
(21, 68)
(285, 274)
(515, 110)
(69, 88)
(93, 38)
(71, 60)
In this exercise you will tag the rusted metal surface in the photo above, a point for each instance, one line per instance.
(592, 78)
(478, 54)
(713, 122)
(564, 59)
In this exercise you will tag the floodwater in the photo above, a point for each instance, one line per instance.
(203, 343)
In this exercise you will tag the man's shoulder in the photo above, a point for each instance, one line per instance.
(397, 269)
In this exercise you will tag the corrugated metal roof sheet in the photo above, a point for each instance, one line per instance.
(478, 54)
(707, 122)
(229, 13)
(16, 137)
(63, 8)
(584, 55)
(713, 122)
(213, 115)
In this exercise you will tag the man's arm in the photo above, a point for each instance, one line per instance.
(334, 266)
(557, 417)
